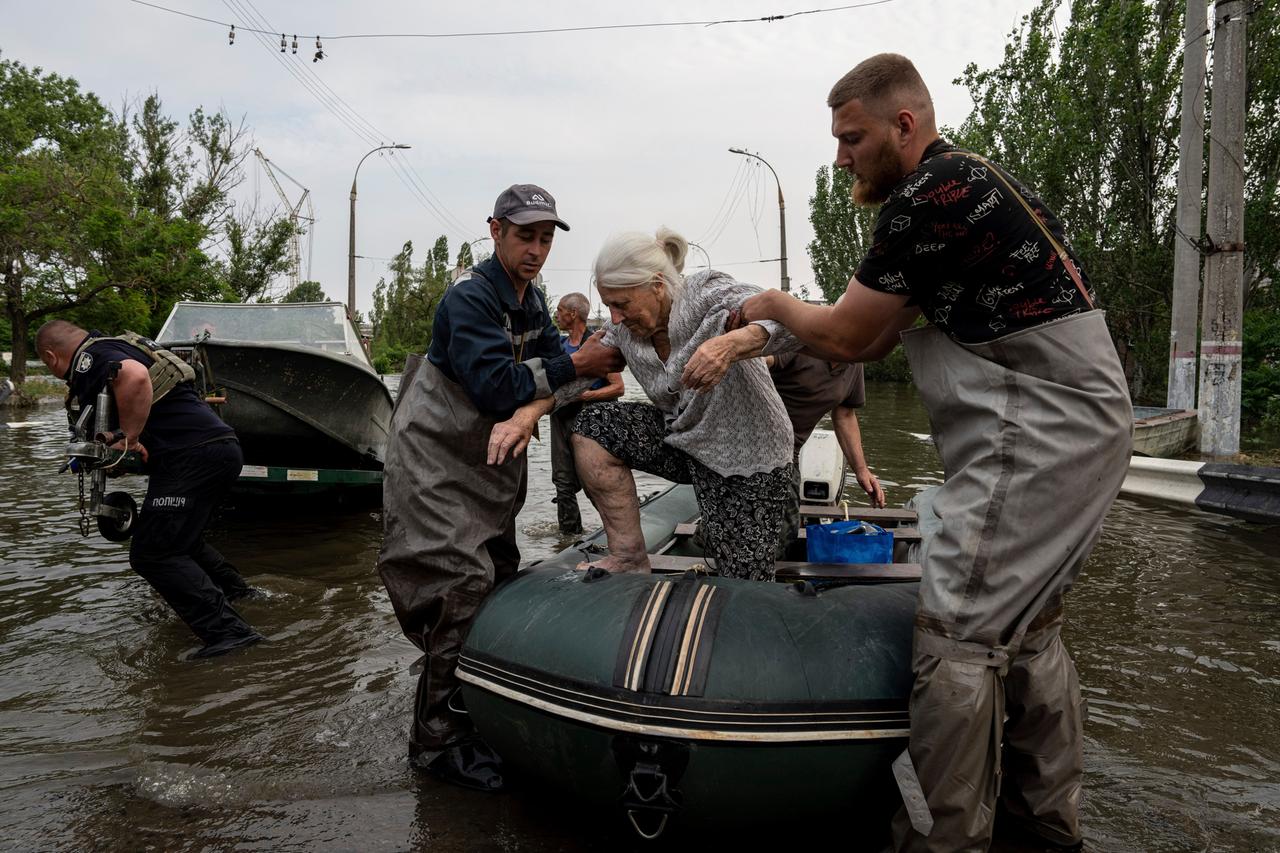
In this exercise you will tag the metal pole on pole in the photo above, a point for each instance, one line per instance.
(1223, 308)
(782, 216)
(705, 253)
(351, 236)
(1186, 244)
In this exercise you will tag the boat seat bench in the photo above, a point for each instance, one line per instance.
(887, 515)
(900, 534)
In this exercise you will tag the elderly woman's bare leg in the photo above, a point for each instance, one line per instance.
(612, 488)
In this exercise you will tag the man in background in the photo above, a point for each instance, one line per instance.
(571, 318)
(812, 388)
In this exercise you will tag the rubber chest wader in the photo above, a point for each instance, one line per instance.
(1035, 433)
(449, 535)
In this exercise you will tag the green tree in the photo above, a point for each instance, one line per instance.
(841, 231)
(404, 307)
(64, 200)
(109, 220)
(257, 254)
(306, 291)
(1089, 118)
(1088, 115)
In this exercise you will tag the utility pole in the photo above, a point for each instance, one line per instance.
(782, 216)
(1222, 313)
(1186, 245)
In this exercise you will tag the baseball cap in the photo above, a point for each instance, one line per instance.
(526, 203)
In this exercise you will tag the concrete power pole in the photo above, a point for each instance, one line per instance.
(1186, 245)
(1222, 313)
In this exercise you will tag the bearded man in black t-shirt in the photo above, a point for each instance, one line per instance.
(1032, 419)
(192, 460)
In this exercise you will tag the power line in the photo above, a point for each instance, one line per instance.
(766, 19)
(361, 127)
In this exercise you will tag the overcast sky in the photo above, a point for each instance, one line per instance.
(627, 128)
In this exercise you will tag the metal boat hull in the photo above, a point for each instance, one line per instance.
(299, 407)
(1163, 432)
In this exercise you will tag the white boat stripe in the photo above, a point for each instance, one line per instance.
(678, 731)
(682, 659)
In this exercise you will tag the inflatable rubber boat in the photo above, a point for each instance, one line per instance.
(681, 697)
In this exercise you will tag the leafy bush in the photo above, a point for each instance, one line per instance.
(1260, 381)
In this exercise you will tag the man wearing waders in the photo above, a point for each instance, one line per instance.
(192, 460)
(1032, 419)
(448, 517)
(571, 318)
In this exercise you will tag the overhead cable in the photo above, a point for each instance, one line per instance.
(765, 19)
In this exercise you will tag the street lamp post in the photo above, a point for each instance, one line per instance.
(782, 215)
(351, 245)
(704, 252)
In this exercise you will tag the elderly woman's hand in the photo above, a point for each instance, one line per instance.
(712, 360)
(708, 365)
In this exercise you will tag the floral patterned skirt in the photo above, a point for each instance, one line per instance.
(744, 519)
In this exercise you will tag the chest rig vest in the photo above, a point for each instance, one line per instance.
(167, 370)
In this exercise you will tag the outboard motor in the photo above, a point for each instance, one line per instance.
(94, 457)
(822, 468)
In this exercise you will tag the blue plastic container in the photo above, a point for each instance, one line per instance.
(848, 542)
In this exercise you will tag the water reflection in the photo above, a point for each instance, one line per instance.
(109, 740)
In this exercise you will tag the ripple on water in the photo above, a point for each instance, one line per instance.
(107, 739)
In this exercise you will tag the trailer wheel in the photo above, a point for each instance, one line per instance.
(115, 530)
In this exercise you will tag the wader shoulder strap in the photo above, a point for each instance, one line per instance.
(167, 370)
(1057, 247)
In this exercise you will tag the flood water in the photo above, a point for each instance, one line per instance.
(108, 740)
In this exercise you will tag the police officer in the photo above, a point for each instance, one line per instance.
(1031, 416)
(192, 460)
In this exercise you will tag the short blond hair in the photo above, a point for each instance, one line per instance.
(886, 83)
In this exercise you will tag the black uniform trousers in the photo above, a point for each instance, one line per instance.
(168, 548)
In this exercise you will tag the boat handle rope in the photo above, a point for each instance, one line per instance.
(647, 836)
(660, 800)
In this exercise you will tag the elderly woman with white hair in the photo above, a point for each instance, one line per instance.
(714, 418)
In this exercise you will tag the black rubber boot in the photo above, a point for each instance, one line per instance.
(468, 763)
(221, 647)
(228, 578)
(568, 515)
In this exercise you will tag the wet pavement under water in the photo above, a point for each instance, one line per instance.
(108, 740)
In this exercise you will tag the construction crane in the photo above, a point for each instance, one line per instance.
(295, 218)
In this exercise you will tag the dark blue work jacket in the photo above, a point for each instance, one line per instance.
(502, 352)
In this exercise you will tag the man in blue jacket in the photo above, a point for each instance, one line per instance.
(449, 518)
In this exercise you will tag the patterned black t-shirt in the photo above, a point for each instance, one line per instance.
(968, 253)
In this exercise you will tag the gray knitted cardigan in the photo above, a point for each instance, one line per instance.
(740, 427)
